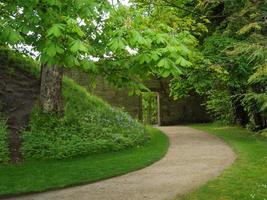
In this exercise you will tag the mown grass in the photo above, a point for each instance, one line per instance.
(246, 179)
(38, 175)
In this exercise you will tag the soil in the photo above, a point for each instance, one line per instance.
(194, 157)
(18, 93)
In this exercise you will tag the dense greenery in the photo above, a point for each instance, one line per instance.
(247, 178)
(150, 107)
(89, 126)
(4, 155)
(232, 73)
(124, 44)
(39, 175)
(129, 43)
(216, 49)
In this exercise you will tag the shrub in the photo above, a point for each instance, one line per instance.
(220, 107)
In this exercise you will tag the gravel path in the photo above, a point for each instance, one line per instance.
(194, 157)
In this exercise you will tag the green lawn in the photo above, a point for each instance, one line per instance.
(247, 178)
(38, 175)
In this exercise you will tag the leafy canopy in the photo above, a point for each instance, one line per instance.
(126, 44)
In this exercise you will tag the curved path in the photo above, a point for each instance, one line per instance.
(194, 157)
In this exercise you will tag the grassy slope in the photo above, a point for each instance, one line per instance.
(89, 126)
(35, 175)
(247, 178)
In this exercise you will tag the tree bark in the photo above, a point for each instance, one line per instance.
(50, 91)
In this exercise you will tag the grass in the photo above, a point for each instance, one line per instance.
(36, 175)
(246, 179)
(89, 126)
(92, 141)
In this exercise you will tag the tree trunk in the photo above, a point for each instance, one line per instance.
(50, 92)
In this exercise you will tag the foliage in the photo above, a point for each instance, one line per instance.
(52, 28)
(233, 71)
(219, 104)
(89, 126)
(264, 133)
(130, 43)
(4, 154)
(75, 171)
(140, 45)
(150, 107)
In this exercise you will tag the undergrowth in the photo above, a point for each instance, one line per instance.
(89, 126)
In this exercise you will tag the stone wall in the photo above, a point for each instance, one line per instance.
(186, 110)
(170, 112)
(114, 96)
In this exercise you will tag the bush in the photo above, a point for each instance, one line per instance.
(4, 153)
(89, 126)
(220, 107)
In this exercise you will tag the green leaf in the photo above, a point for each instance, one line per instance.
(54, 3)
(165, 62)
(144, 58)
(160, 39)
(77, 45)
(56, 30)
(88, 65)
(77, 30)
(176, 71)
(71, 60)
(52, 49)
(155, 55)
(10, 35)
(137, 38)
(183, 62)
(117, 43)
(165, 74)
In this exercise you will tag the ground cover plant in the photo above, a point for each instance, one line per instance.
(89, 126)
(39, 175)
(246, 179)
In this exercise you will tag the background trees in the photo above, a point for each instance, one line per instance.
(162, 38)
(60, 31)
(234, 76)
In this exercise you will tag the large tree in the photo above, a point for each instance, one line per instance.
(130, 43)
(60, 31)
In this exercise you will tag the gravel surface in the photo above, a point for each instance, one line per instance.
(193, 158)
